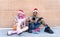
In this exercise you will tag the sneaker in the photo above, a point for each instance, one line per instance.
(48, 30)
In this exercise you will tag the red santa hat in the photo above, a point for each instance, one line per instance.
(35, 10)
(21, 11)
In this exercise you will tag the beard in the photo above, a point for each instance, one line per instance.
(34, 15)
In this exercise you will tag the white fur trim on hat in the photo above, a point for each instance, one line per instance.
(20, 12)
(35, 10)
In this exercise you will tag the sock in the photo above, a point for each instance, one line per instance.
(46, 26)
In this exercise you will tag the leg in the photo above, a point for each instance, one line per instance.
(47, 28)
(11, 32)
(18, 28)
(30, 27)
(22, 30)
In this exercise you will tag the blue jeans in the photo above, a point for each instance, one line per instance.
(33, 26)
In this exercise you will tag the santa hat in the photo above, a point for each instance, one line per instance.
(21, 11)
(35, 10)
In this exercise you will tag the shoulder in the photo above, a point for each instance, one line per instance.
(16, 17)
(39, 17)
(30, 17)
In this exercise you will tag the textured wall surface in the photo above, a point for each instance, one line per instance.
(49, 9)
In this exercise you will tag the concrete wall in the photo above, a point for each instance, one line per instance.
(49, 9)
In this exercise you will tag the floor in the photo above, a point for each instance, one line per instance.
(3, 33)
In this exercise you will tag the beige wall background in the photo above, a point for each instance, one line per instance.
(49, 9)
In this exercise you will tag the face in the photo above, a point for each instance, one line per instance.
(34, 13)
(19, 14)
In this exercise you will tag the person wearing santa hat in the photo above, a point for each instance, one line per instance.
(35, 21)
(20, 24)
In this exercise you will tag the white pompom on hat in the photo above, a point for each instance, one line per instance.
(21, 11)
(35, 10)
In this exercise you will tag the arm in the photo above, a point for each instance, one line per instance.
(27, 21)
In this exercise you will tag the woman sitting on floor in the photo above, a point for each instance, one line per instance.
(20, 24)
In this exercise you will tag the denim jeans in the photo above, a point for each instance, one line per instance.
(33, 26)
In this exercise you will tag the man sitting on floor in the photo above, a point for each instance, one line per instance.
(34, 23)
